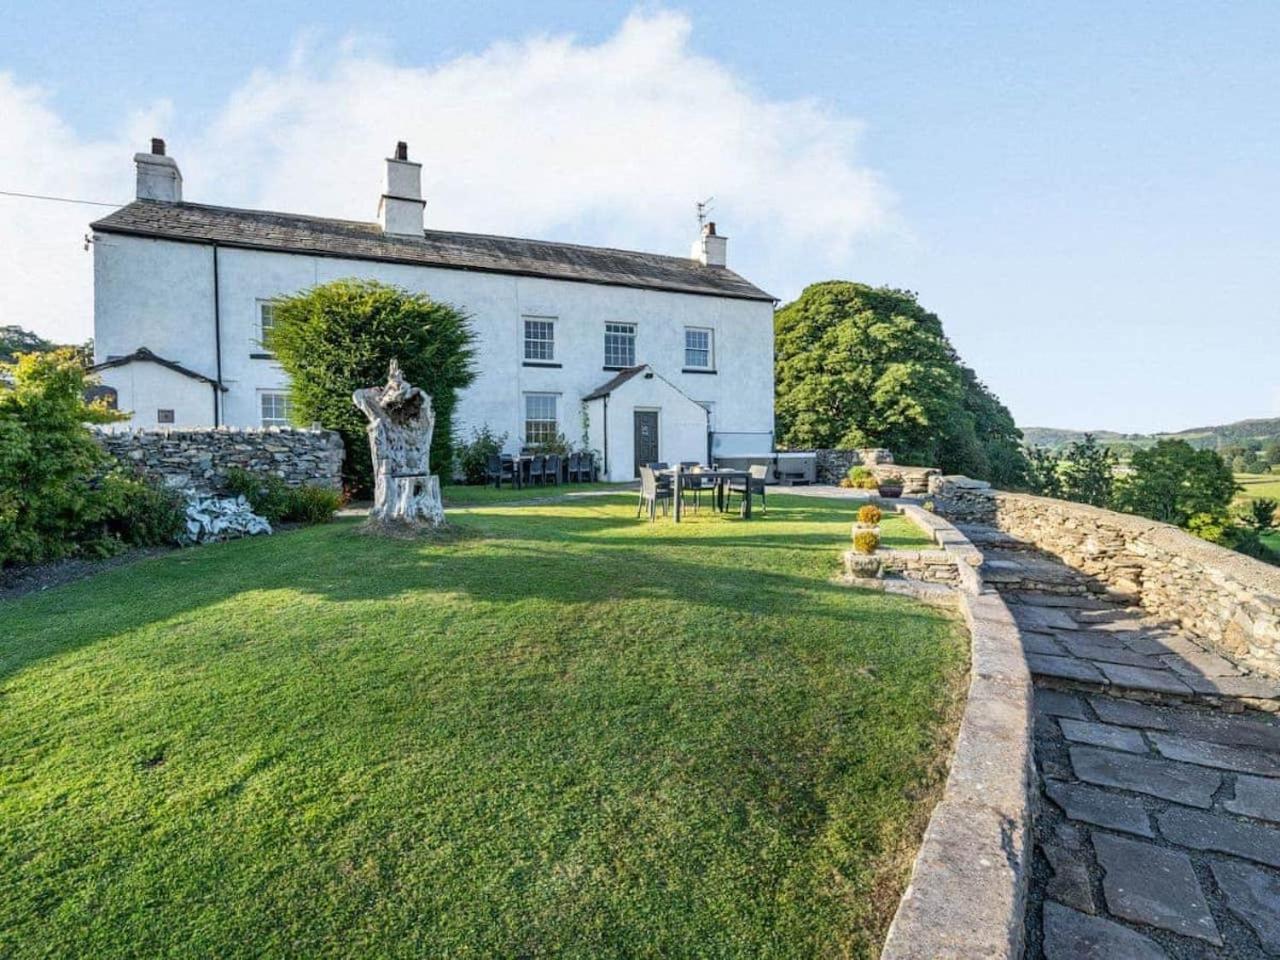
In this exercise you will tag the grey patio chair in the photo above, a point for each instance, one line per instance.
(759, 473)
(499, 468)
(694, 483)
(652, 493)
(551, 469)
(575, 467)
(537, 466)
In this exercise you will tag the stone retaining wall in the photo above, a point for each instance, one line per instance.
(833, 466)
(968, 889)
(1230, 600)
(199, 458)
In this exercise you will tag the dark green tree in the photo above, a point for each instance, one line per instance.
(857, 366)
(1087, 472)
(1043, 476)
(1173, 482)
(340, 337)
(1260, 514)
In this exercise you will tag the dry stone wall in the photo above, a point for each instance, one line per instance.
(833, 465)
(200, 457)
(1231, 600)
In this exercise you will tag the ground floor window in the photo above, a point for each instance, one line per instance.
(275, 408)
(541, 423)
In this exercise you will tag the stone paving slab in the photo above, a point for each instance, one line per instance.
(1200, 663)
(1103, 735)
(1112, 653)
(1257, 797)
(1065, 668)
(1208, 831)
(1059, 704)
(1042, 643)
(1151, 885)
(1179, 782)
(1041, 618)
(1143, 678)
(1252, 894)
(1100, 807)
(1072, 935)
(1129, 714)
(1070, 883)
(1237, 759)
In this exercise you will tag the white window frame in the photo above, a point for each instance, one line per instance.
(710, 348)
(264, 307)
(619, 329)
(544, 348)
(554, 421)
(280, 405)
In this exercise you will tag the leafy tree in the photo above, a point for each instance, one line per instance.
(1174, 482)
(339, 337)
(49, 462)
(15, 340)
(1260, 514)
(857, 366)
(1087, 472)
(1043, 477)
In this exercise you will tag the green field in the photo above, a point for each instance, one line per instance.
(554, 731)
(1258, 485)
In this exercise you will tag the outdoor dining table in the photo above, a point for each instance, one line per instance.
(721, 478)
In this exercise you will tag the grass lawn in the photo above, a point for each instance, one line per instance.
(461, 495)
(557, 732)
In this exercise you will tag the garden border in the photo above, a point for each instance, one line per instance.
(967, 894)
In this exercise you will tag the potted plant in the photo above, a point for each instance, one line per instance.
(868, 520)
(860, 478)
(889, 485)
(861, 561)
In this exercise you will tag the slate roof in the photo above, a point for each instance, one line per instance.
(319, 236)
(613, 383)
(142, 353)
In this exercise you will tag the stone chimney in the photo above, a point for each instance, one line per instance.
(158, 176)
(401, 206)
(710, 248)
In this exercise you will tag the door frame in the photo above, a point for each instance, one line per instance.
(657, 422)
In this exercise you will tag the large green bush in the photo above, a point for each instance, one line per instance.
(339, 337)
(857, 366)
(51, 501)
(473, 455)
(272, 498)
(1174, 482)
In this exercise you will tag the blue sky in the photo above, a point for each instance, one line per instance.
(1087, 194)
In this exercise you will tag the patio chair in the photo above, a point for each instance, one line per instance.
(574, 467)
(537, 466)
(499, 468)
(652, 493)
(587, 465)
(551, 469)
(692, 482)
(759, 473)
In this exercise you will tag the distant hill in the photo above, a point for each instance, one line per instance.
(1262, 430)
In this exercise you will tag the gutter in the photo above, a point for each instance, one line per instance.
(217, 343)
(605, 398)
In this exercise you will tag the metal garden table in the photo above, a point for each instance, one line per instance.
(722, 479)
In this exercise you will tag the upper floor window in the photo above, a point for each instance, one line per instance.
(275, 408)
(619, 344)
(266, 320)
(539, 338)
(697, 348)
(541, 424)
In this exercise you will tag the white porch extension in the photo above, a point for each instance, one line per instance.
(640, 412)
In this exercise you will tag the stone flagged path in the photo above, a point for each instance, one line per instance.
(1158, 833)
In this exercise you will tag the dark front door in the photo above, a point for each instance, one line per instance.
(646, 432)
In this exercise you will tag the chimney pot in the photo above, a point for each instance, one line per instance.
(157, 146)
(402, 151)
(710, 229)
(710, 248)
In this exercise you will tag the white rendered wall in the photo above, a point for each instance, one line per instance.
(143, 388)
(158, 294)
(682, 425)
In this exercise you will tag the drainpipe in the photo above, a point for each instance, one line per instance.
(606, 436)
(217, 343)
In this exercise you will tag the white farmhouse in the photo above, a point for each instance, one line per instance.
(632, 354)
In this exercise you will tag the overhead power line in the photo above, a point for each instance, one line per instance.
(40, 196)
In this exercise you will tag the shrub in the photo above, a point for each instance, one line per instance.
(139, 512)
(1260, 514)
(273, 499)
(339, 337)
(866, 542)
(1173, 482)
(862, 478)
(49, 504)
(869, 514)
(889, 480)
(311, 504)
(473, 456)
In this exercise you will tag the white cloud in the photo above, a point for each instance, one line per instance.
(608, 143)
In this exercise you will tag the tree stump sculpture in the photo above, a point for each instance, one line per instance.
(401, 422)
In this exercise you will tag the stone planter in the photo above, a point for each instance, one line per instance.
(865, 566)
